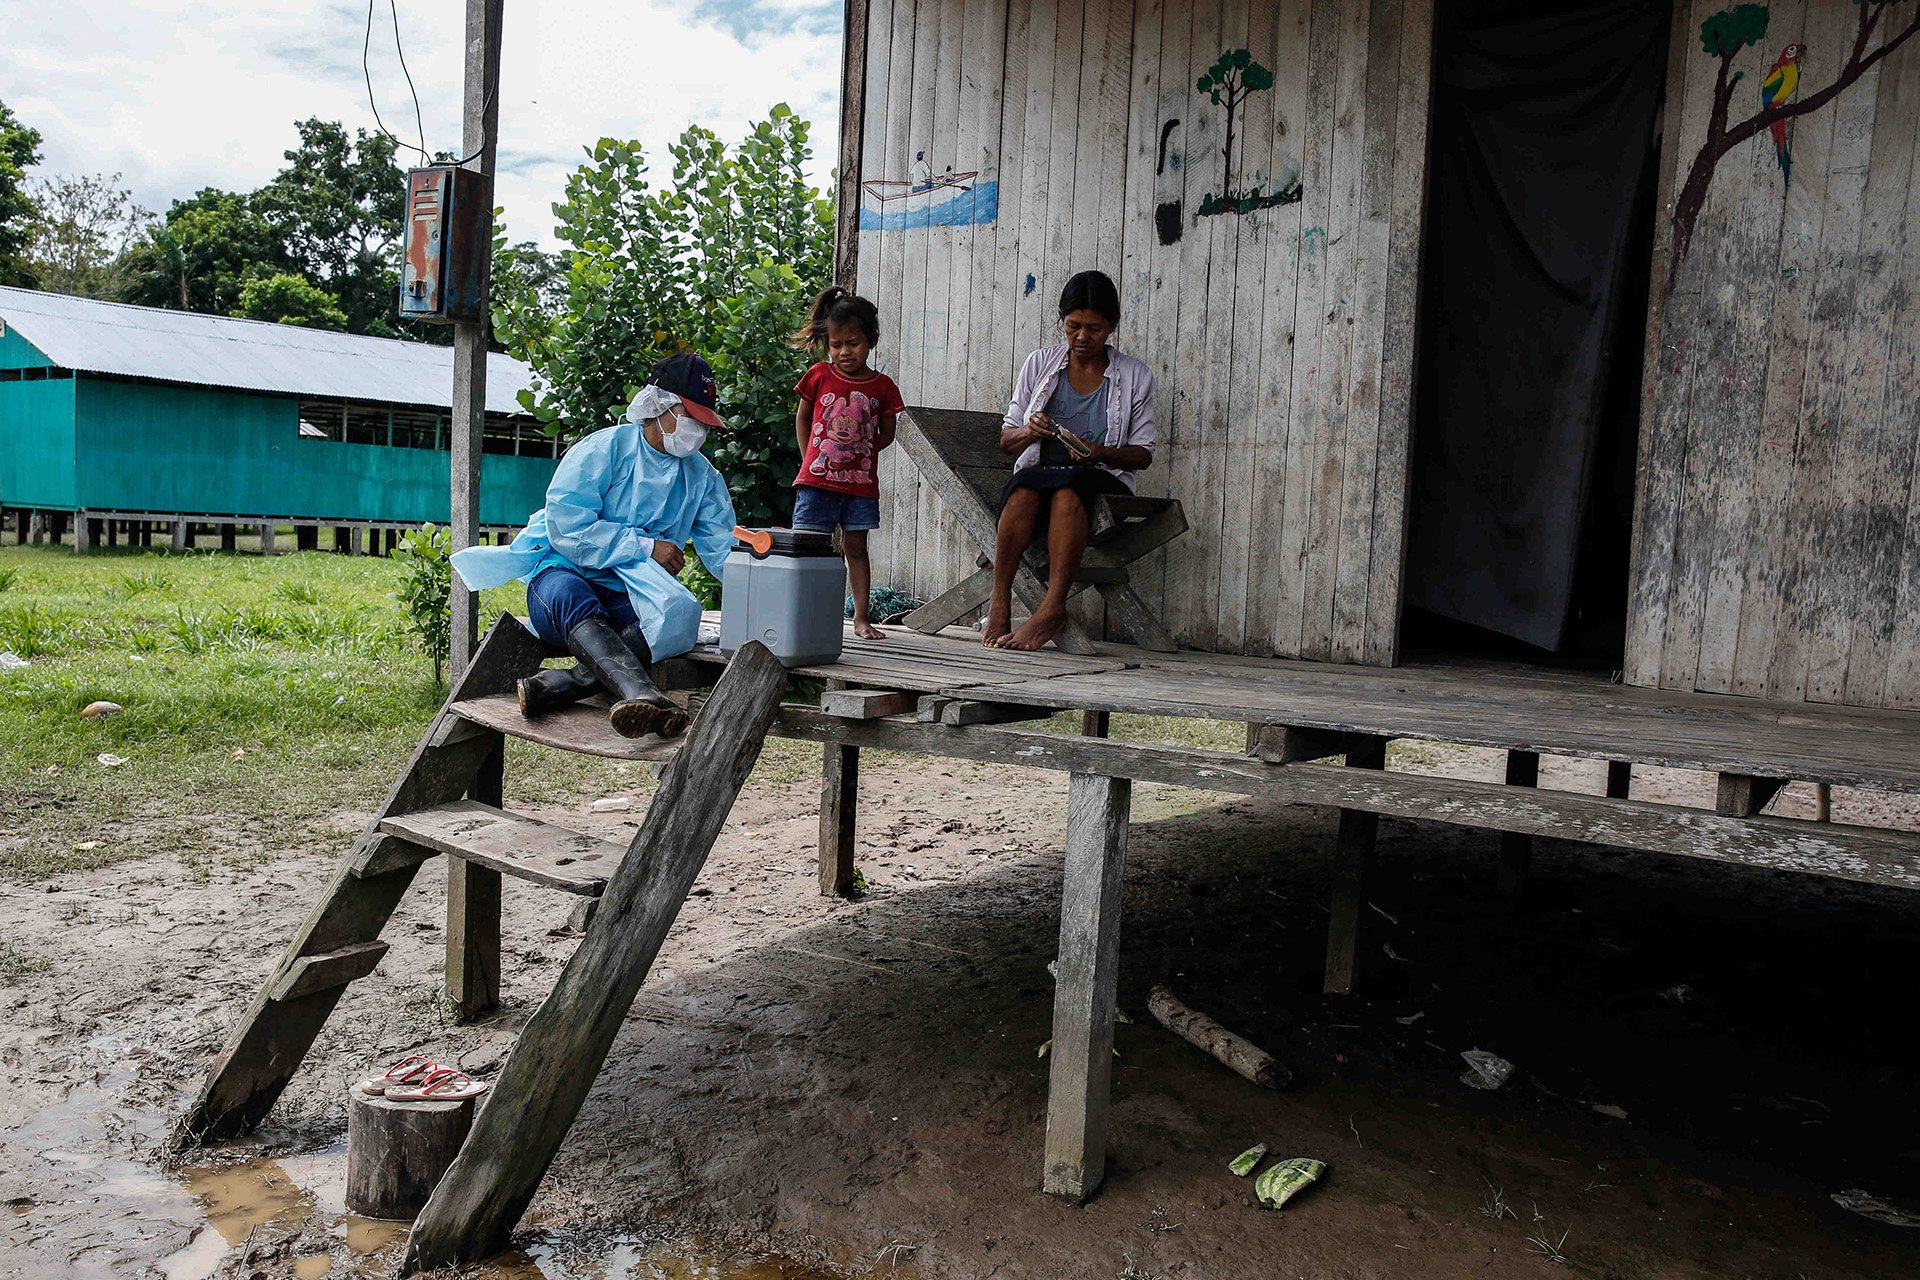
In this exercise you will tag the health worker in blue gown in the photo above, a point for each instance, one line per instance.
(601, 559)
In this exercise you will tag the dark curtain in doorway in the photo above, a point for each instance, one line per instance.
(1543, 160)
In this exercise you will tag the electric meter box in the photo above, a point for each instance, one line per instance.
(448, 225)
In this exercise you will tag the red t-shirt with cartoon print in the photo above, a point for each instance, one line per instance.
(841, 449)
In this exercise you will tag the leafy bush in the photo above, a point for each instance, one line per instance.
(723, 261)
(705, 587)
(425, 584)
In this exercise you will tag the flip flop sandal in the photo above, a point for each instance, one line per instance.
(409, 1070)
(442, 1084)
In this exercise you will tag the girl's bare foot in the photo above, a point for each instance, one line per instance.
(998, 625)
(1039, 629)
(867, 631)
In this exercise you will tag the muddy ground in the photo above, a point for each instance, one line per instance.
(1704, 1056)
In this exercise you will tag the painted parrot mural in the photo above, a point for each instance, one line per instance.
(1776, 91)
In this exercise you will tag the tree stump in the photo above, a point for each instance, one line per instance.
(397, 1151)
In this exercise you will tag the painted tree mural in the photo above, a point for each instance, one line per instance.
(1228, 82)
(1723, 36)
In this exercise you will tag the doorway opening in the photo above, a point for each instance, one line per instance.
(1542, 195)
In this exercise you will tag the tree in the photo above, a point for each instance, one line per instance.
(337, 209)
(83, 226)
(201, 258)
(19, 150)
(1228, 82)
(724, 261)
(1723, 35)
(290, 299)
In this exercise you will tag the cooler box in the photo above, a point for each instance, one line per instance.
(791, 596)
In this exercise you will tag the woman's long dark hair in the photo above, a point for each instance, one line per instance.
(1091, 291)
(836, 306)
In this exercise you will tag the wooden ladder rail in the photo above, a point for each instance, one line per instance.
(340, 941)
(474, 1210)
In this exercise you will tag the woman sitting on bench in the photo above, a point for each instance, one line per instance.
(1082, 422)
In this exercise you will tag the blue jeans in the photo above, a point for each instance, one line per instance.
(558, 600)
(830, 509)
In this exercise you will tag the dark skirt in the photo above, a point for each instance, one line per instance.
(1088, 482)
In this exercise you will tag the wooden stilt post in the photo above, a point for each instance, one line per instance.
(266, 539)
(1094, 724)
(540, 1090)
(229, 536)
(1083, 1001)
(480, 116)
(1619, 779)
(1516, 851)
(37, 528)
(1352, 853)
(179, 535)
(86, 533)
(839, 805)
(473, 912)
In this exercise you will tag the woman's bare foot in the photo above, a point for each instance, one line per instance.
(867, 631)
(1037, 630)
(998, 625)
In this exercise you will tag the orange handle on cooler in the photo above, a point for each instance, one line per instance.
(759, 539)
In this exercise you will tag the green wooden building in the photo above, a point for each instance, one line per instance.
(120, 420)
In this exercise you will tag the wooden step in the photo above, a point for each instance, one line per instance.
(512, 844)
(581, 727)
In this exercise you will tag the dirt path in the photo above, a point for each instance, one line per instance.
(1703, 1057)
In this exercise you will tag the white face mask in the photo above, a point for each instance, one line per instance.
(685, 439)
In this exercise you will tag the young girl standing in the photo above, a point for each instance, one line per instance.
(845, 419)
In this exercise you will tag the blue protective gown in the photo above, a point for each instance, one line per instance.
(612, 496)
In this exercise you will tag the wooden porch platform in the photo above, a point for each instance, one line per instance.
(1503, 706)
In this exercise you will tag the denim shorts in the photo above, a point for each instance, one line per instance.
(829, 509)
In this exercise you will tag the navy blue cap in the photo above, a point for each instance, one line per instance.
(691, 378)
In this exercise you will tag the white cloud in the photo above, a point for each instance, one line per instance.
(178, 95)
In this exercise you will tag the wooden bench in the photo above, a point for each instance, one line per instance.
(958, 453)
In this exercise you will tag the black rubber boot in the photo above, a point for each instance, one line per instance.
(554, 687)
(639, 708)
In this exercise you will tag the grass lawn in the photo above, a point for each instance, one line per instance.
(262, 696)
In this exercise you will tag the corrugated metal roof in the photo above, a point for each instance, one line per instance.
(247, 355)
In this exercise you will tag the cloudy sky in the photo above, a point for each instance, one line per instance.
(182, 94)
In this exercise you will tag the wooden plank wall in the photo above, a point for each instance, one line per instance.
(1777, 540)
(1282, 339)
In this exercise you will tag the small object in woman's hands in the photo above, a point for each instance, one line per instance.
(1075, 445)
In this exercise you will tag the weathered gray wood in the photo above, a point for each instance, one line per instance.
(853, 105)
(1352, 853)
(314, 973)
(398, 1151)
(380, 853)
(840, 794)
(867, 704)
(272, 1037)
(513, 844)
(472, 972)
(964, 711)
(581, 728)
(1089, 968)
(1741, 795)
(1287, 744)
(1095, 724)
(1516, 850)
(533, 1103)
(958, 603)
(472, 939)
(1230, 1049)
(479, 132)
(1125, 607)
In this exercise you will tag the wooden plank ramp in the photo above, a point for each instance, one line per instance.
(531, 1106)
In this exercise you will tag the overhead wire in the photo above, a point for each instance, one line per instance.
(366, 70)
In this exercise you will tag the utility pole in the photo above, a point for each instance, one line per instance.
(480, 119)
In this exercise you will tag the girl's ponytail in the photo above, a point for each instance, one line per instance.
(814, 332)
